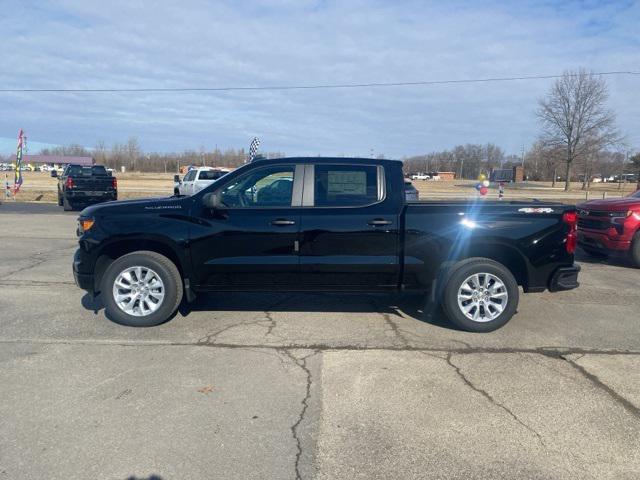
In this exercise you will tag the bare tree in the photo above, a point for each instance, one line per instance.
(574, 115)
(635, 161)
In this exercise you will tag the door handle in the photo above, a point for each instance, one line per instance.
(379, 221)
(282, 222)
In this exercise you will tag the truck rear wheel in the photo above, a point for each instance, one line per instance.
(481, 295)
(67, 206)
(141, 289)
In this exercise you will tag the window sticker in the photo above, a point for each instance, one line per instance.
(346, 183)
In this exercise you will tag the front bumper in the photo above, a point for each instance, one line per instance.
(564, 278)
(83, 280)
(602, 241)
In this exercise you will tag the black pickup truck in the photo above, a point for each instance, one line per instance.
(323, 224)
(80, 185)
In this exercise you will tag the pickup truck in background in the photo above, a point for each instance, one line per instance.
(420, 176)
(196, 179)
(611, 227)
(323, 224)
(79, 185)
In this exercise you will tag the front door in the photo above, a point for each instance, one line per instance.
(349, 233)
(187, 183)
(251, 243)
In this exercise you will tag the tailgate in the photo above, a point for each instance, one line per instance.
(93, 184)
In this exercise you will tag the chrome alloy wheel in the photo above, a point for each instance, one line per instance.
(482, 297)
(138, 291)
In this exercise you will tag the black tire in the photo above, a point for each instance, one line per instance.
(594, 252)
(634, 252)
(67, 206)
(461, 272)
(165, 269)
(176, 192)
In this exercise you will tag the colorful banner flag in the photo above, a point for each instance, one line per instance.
(18, 174)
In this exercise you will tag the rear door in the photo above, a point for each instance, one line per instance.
(205, 178)
(348, 228)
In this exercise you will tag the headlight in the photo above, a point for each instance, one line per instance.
(620, 214)
(85, 224)
(621, 217)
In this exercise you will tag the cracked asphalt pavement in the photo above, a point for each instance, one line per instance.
(301, 386)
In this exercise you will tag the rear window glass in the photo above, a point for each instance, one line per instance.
(345, 185)
(88, 171)
(98, 170)
(210, 175)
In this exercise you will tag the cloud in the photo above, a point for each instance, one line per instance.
(8, 146)
(194, 43)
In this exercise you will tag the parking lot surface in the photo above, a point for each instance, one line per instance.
(255, 386)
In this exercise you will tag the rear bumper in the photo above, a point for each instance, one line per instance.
(602, 241)
(564, 278)
(80, 196)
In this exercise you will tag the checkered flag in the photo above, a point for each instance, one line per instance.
(253, 148)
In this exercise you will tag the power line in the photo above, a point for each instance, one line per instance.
(298, 87)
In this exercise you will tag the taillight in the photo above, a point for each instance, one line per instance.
(114, 183)
(69, 183)
(571, 219)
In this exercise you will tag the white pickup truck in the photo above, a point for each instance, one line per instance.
(196, 179)
(420, 176)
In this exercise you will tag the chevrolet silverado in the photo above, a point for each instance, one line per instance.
(323, 224)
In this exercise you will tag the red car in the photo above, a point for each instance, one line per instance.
(611, 226)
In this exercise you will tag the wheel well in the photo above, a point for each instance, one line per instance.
(116, 250)
(507, 256)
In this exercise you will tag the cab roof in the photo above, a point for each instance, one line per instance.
(333, 160)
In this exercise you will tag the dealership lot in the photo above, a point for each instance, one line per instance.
(309, 386)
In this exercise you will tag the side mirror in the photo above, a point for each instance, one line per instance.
(54, 173)
(212, 200)
(176, 178)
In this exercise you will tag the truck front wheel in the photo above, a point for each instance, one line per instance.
(481, 295)
(635, 249)
(141, 289)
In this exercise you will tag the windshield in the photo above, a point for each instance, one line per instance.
(636, 194)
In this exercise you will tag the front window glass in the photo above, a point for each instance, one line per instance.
(345, 185)
(265, 187)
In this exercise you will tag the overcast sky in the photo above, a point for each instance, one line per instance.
(197, 43)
